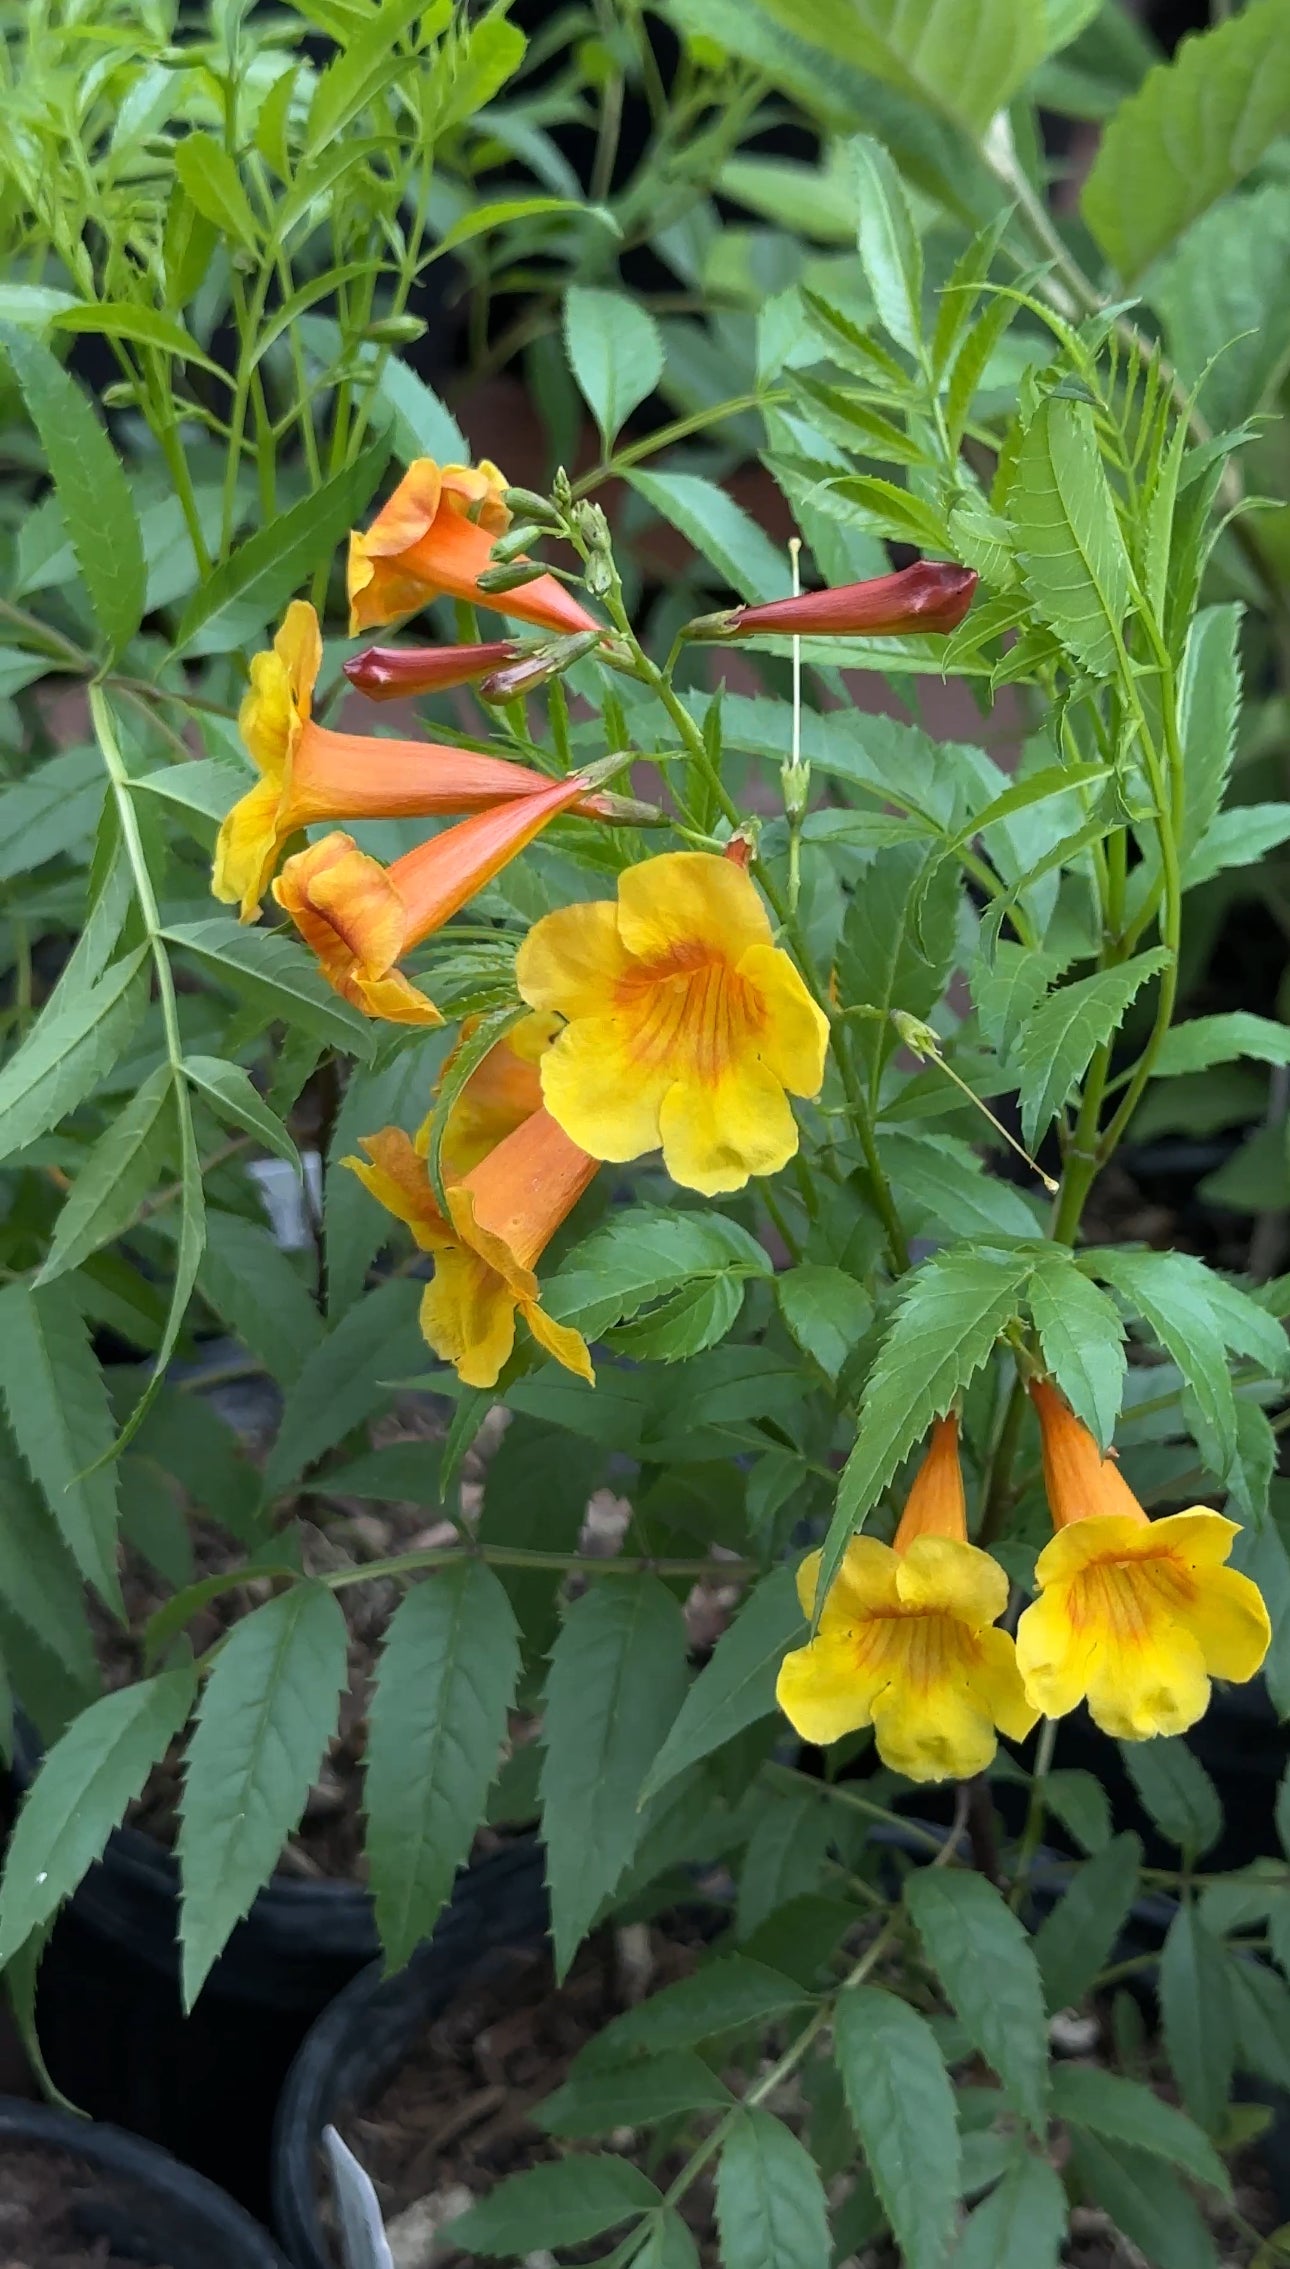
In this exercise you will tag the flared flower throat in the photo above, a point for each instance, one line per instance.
(435, 537)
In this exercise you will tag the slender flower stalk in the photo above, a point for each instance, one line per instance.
(907, 1640)
(930, 595)
(435, 535)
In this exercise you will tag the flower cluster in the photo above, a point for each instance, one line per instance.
(668, 1018)
(1133, 1616)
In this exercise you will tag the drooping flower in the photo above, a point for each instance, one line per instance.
(434, 536)
(310, 773)
(906, 1639)
(686, 1025)
(1134, 1615)
(930, 595)
(360, 918)
(499, 1095)
(390, 673)
(502, 1215)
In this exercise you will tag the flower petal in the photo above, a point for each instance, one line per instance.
(1156, 1686)
(793, 1041)
(958, 1579)
(468, 1316)
(1230, 1624)
(397, 1179)
(572, 959)
(693, 903)
(559, 1340)
(819, 1692)
(716, 1135)
(864, 1586)
(998, 1684)
(1201, 1540)
(1104, 1536)
(247, 847)
(1053, 1657)
(592, 1086)
(933, 1733)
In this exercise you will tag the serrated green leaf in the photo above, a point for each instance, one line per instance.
(81, 1035)
(56, 807)
(567, 2201)
(1171, 1291)
(965, 61)
(826, 1311)
(692, 1318)
(266, 1714)
(1221, 293)
(1239, 837)
(770, 2199)
(632, 2095)
(723, 1996)
(615, 352)
(784, 1857)
(737, 1686)
(898, 942)
(1058, 1042)
(1020, 2225)
(503, 210)
(250, 1282)
(147, 326)
(985, 1963)
(945, 1184)
(899, 2096)
(39, 1580)
(1074, 1941)
(1199, 2018)
(116, 1177)
(275, 975)
(227, 1088)
(1177, 1792)
(645, 1254)
(1081, 1339)
(444, 1683)
(1261, 2009)
(720, 530)
(422, 426)
(1209, 709)
(615, 1685)
(1080, 1802)
(80, 1794)
(212, 181)
(1193, 130)
(371, 59)
(890, 252)
(1068, 537)
(90, 482)
(1144, 2199)
(1126, 2111)
(948, 1318)
(1204, 1041)
(58, 1410)
(251, 587)
(348, 1376)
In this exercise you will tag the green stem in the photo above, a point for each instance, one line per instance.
(678, 430)
(1034, 1827)
(514, 1556)
(105, 732)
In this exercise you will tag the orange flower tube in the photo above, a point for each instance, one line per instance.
(435, 536)
(360, 918)
(389, 673)
(930, 595)
(502, 1216)
(907, 1640)
(310, 773)
(1135, 1616)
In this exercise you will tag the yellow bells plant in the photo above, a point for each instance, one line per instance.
(907, 1639)
(1134, 1616)
(502, 1215)
(687, 1027)
(434, 537)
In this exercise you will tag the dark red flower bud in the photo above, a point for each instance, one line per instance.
(930, 595)
(386, 673)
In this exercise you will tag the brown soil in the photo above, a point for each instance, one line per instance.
(57, 2213)
(454, 2119)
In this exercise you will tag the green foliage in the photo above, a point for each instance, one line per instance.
(900, 2099)
(770, 2199)
(985, 1963)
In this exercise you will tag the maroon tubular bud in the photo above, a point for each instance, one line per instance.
(930, 595)
(386, 673)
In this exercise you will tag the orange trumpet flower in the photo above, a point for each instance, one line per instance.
(502, 1216)
(310, 773)
(360, 918)
(435, 535)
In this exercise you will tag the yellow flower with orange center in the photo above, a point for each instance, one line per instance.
(435, 536)
(686, 1025)
(310, 773)
(1135, 1616)
(906, 1639)
(502, 1215)
(359, 917)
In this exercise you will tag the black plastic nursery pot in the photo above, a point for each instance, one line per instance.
(364, 2036)
(111, 2021)
(115, 2188)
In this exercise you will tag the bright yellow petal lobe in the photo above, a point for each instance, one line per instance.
(905, 1644)
(686, 1025)
(1136, 1617)
(273, 716)
(246, 849)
